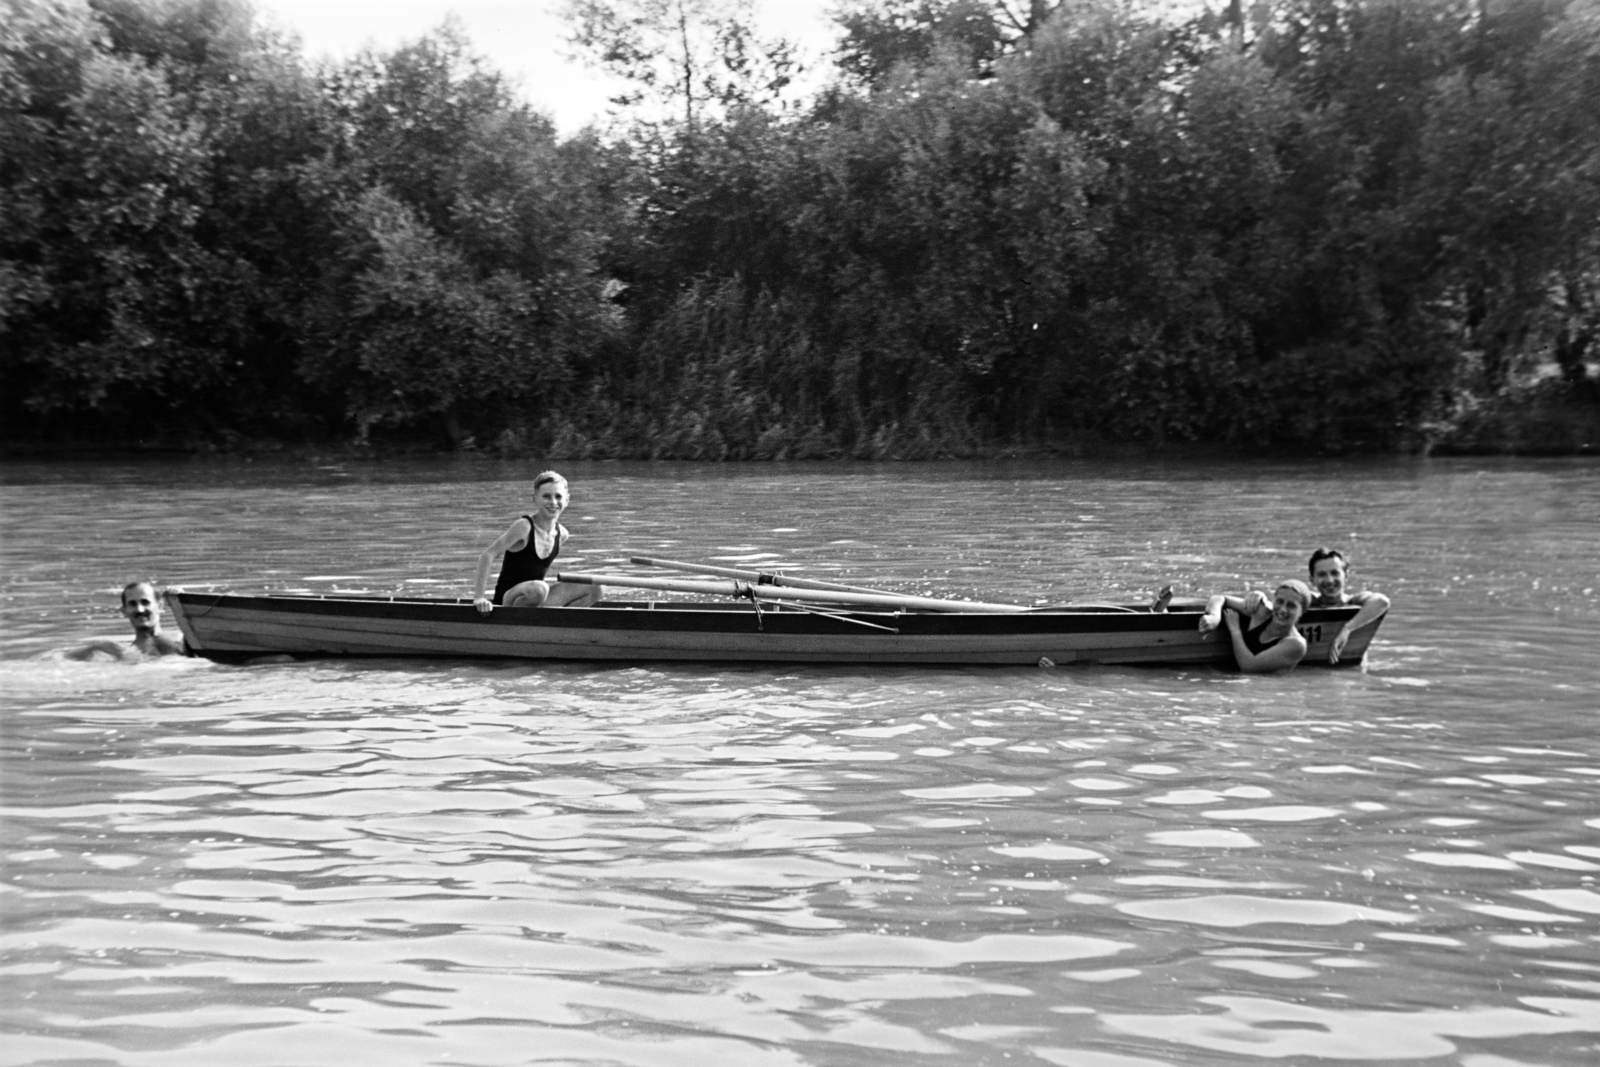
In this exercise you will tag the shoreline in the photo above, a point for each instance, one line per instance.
(1539, 419)
(344, 452)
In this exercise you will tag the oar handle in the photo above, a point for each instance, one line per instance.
(752, 591)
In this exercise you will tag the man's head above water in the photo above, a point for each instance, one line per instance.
(141, 608)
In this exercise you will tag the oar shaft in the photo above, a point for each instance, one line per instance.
(750, 590)
(762, 577)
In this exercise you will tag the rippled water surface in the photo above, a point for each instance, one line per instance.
(391, 862)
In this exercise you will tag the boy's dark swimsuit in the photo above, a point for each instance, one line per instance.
(525, 565)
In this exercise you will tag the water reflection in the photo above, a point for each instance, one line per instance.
(331, 862)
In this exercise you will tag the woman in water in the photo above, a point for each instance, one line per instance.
(530, 545)
(1268, 641)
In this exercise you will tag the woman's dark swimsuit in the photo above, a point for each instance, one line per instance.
(1252, 639)
(525, 565)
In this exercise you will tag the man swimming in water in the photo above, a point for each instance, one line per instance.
(143, 612)
(1329, 571)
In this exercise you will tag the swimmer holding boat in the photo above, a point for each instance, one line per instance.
(1329, 573)
(143, 612)
(1269, 640)
(530, 545)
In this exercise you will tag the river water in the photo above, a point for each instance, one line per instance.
(390, 862)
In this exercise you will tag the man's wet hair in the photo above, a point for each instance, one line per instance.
(1326, 553)
(131, 586)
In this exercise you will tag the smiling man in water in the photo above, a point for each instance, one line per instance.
(143, 612)
(1330, 572)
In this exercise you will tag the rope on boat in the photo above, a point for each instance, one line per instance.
(836, 615)
(744, 591)
(194, 609)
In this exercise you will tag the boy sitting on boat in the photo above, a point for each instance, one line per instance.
(530, 545)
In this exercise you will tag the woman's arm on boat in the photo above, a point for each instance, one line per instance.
(1214, 607)
(1280, 657)
(1373, 607)
(508, 541)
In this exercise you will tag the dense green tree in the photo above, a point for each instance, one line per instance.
(466, 288)
(144, 138)
(104, 181)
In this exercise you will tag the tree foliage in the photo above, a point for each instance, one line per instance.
(694, 59)
(202, 224)
(1318, 224)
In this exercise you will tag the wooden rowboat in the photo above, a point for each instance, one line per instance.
(767, 630)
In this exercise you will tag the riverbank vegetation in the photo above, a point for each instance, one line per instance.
(1314, 225)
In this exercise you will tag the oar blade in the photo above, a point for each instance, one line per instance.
(760, 577)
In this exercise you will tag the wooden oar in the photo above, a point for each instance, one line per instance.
(760, 577)
(754, 591)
